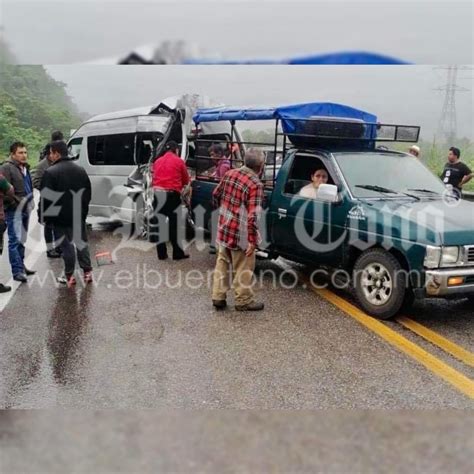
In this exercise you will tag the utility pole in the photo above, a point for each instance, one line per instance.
(447, 125)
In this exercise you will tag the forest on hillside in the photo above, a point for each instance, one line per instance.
(32, 105)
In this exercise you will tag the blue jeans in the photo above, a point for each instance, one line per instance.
(17, 226)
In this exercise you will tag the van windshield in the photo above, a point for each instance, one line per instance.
(377, 174)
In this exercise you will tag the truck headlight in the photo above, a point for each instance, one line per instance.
(449, 256)
(433, 257)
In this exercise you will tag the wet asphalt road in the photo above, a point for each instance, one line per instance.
(165, 347)
(146, 346)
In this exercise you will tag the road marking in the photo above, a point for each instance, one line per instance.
(432, 363)
(450, 347)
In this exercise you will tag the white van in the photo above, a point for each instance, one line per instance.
(117, 150)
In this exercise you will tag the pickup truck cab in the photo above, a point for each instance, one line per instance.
(383, 220)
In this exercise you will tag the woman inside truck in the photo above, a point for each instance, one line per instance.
(318, 177)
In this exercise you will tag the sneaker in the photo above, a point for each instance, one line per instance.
(255, 306)
(29, 272)
(219, 304)
(53, 253)
(5, 288)
(68, 281)
(88, 277)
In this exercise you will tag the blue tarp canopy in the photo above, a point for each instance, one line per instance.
(288, 114)
(339, 58)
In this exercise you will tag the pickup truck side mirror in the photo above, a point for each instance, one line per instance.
(328, 193)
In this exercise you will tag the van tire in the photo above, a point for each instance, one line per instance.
(381, 268)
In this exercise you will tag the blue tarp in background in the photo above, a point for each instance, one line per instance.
(286, 113)
(342, 58)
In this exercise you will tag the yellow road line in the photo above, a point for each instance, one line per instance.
(450, 347)
(432, 363)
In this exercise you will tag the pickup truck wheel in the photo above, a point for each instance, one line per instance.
(379, 284)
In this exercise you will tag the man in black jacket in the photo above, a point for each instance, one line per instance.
(43, 165)
(65, 197)
(18, 208)
(56, 135)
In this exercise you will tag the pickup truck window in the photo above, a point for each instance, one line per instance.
(369, 174)
(300, 174)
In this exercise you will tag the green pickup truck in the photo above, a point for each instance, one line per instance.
(382, 222)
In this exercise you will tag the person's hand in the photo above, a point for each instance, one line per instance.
(250, 250)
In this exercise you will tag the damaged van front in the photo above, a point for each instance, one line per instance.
(117, 149)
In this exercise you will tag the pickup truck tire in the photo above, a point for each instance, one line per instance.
(379, 284)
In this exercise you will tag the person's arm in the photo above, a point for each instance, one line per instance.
(467, 176)
(38, 175)
(185, 179)
(5, 187)
(5, 172)
(217, 195)
(254, 208)
(44, 204)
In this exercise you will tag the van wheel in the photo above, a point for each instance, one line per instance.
(379, 284)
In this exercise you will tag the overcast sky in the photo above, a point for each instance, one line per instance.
(396, 94)
(60, 32)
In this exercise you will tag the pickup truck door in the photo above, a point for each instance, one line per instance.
(308, 229)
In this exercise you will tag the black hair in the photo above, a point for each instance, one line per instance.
(171, 146)
(456, 151)
(216, 149)
(59, 146)
(15, 145)
(57, 135)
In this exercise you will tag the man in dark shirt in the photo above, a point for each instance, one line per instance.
(455, 172)
(51, 250)
(170, 176)
(16, 170)
(65, 197)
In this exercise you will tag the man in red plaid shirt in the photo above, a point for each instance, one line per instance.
(239, 197)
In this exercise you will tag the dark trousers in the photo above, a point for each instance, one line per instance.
(49, 237)
(167, 204)
(3, 227)
(71, 242)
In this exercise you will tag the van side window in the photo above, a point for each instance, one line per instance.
(301, 171)
(112, 150)
(74, 147)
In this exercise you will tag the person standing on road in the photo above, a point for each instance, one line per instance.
(43, 165)
(65, 197)
(456, 173)
(239, 197)
(18, 208)
(170, 176)
(6, 189)
(55, 136)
